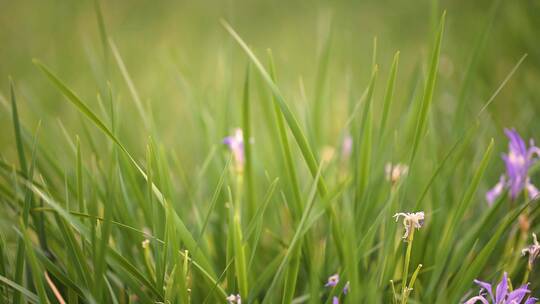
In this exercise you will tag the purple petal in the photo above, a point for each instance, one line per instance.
(346, 288)
(476, 299)
(485, 286)
(515, 187)
(335, 300)
(228, 140)
(532, 190)
(531, 300)
(533, 150)
(516, 143)
(496, 191)
(333, 280)
(511, 170)
(517, 295)
(502, 289)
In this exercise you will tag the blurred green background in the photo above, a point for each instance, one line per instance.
(188, 72)
(162, 42)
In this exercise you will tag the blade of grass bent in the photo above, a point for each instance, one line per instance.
(184, 233)
(291, 120)
(30, 296)
(129, 82)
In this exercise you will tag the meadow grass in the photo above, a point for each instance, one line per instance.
(130, 198)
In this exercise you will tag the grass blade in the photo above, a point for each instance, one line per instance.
(429, 89)
(291, 120)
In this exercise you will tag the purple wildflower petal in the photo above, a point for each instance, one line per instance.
(502, 289)
(346, 288)
(518, 161)
(533, 150)
(236, 145)
(333, 280)
(496, 191)
(516, 142)
(335, 300)
(476, 299)
(518, 294)
(531, 300)
(532, 190)
(487, 287)
(228, 140)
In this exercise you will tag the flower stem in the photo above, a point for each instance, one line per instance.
(238, 243)
(406, 266)
(394, 295)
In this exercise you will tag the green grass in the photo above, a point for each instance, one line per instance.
(116, 186)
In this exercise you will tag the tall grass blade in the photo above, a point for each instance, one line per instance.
(291, 120)
(429, 89)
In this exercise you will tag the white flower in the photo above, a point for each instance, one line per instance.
(532, 250)
(411, 221)
(394, 173)
(145, 243)
(234, 299)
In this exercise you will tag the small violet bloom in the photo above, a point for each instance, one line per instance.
(394, 172)
(411, 221)
(532, 250)
(234, 299)
(333, 280)
(236, 145)
(502, 293)
(518, 161)
(346, 288)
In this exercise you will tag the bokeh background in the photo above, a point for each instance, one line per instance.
(188, 72)
(166, 42)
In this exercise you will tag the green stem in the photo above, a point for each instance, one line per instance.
(406, 266)
(240, 255)
(526, 275)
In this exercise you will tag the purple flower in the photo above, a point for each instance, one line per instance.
(236, 145)
(333, 280)
(346, 288)
(518, 162)
(532, 250)
(502, 293)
